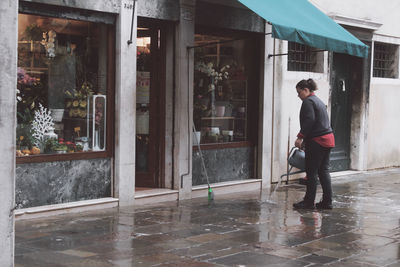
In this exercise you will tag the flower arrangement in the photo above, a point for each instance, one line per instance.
(99, 108)
(77, 102)
(23, 78)
(29, 92)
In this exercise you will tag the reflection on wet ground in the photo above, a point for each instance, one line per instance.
(363, 229)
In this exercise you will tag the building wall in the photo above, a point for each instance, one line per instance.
(287, 106)
(385, 12)
(384, 127)
(382, 123)
(8, 72)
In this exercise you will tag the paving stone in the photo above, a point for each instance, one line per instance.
(318, 259)
(249, 259)
(235, 229)
(78, 253)
(290, 253)
(384, 255)
(204, 238)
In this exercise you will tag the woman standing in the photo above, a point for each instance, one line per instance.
(317, 138)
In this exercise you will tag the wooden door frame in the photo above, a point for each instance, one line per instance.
(157, 104)
(356, 95)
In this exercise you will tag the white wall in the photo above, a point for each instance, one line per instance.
(125, 111)
(287, 106)
(383, 11)
(384, 124)
(184, 92)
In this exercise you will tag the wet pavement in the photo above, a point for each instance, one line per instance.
(241, 229)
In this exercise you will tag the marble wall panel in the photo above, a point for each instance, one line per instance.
(223, 165)
(46, 183)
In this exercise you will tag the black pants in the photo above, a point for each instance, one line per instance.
(317, 164)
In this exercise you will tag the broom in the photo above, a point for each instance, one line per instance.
(210, 191)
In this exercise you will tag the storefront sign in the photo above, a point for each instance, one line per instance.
(143, 87)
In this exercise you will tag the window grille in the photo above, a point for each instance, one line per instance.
(386, 60)
(301, 58)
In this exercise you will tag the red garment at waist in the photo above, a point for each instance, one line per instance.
(327, 140)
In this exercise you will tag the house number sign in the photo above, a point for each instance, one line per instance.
(129, 6)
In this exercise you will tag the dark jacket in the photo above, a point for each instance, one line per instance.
(314, 120)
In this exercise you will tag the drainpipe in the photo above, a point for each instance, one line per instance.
(188, 117)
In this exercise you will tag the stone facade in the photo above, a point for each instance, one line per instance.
(223, 165)
(46, 183)
(8, 72)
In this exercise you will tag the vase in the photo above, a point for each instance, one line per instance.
(50, 134)
(96, 146)
(57, 114)
(196, 138)
(228, 111)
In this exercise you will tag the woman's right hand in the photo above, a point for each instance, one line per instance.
(298, 143)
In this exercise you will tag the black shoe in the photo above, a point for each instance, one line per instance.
(323, 205)
(303, 205)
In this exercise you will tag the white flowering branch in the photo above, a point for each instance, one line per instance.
(210, 71)
(41, 124)
(48, 42)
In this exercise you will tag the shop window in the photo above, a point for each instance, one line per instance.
(304, 58)
(386, 60)
(62, 86)
(225, 89)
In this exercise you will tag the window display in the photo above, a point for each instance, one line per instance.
(222, 71)
(62, 86)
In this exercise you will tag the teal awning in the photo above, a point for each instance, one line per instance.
(301, 22)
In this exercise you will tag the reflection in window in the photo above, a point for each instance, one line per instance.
(143, 75)
(220, 101)
(62, 78)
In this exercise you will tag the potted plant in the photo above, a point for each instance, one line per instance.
(24, 137)
(50, 144)
(78, 148)
(60, 148)
(70, 147)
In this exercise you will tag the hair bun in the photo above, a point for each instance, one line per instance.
(311, 85)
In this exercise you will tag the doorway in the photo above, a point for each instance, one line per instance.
(345, 83)
(150, 103)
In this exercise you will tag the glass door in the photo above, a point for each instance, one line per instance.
(148, 130)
